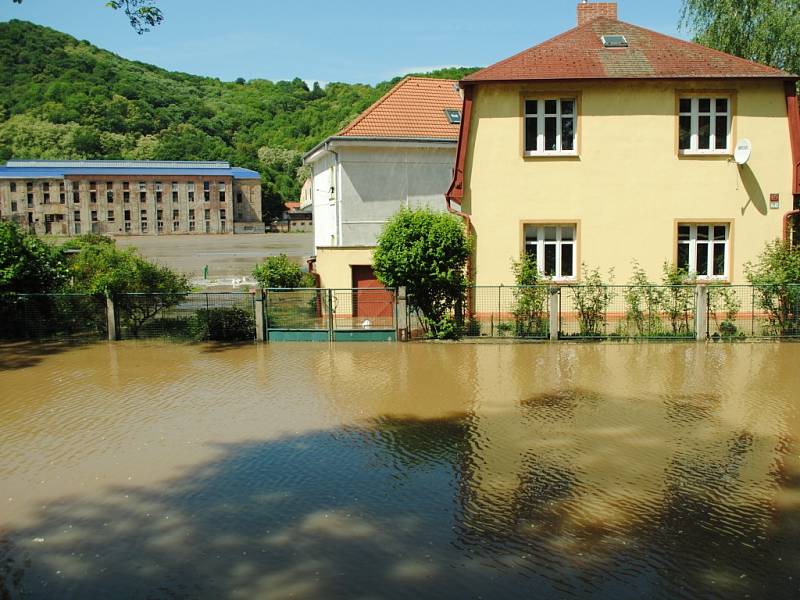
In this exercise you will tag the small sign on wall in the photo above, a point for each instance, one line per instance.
(774, 201)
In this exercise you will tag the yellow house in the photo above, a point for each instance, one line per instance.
(611, 143)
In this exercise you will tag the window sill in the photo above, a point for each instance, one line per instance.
(721, 155)
(550, 155)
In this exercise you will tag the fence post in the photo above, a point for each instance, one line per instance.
(111, 317)
(701, 313)
(331, 335)
(259, 307)
(554, 310)
(401, 310)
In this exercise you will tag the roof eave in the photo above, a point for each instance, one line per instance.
(777, 77)
(370, 140)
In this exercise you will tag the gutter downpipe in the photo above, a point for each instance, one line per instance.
(793, 111)
(456, 189)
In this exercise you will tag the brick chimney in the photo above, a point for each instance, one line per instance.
(588, 11)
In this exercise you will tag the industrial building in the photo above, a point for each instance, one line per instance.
(121, 197)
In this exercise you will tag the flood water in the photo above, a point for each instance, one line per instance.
(400, 471)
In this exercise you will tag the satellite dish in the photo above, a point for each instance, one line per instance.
(743, 151)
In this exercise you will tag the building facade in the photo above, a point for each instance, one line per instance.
(130, 197)
(399, 153)
(611, 145)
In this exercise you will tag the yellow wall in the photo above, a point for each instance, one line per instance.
(628, 186)
(333, 265)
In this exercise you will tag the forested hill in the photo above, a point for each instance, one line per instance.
(65, 98)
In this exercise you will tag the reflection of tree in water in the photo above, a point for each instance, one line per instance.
(400, 505)
(558, 405)
(414, 442)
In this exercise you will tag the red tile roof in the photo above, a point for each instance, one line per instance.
(414, 108)
(579, 54)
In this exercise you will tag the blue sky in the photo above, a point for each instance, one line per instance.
(351, 40)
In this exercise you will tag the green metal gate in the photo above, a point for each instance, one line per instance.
(322, 315)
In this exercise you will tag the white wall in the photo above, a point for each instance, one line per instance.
(377, 182)
(323, 201)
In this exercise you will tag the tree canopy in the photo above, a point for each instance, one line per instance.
(65, 98)
(142, 14)
(766, 31)
(27, 264)
(426, 252)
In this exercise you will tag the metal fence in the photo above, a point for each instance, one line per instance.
(537, 312)
(330, 314)
(52, 316)
(743, 311)
(218, 316)
(512, 312)
(624, 312)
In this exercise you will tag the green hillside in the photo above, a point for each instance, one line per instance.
(65, 98)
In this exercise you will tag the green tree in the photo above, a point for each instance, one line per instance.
(142, 14)
(426, 252)
(766, 31)
(280, 272)
(27, 264)
(102, 268)
(776, 276)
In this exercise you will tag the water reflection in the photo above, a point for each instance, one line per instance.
(570, 471)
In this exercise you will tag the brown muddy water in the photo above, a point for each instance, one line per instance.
(400, 471)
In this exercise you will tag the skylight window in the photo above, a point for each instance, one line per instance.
(614, 41)
(453, 115)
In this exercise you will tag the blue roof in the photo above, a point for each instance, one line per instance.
(59, 169)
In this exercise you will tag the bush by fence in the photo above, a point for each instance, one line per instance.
(53, 316)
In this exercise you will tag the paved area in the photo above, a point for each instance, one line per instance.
(227, 256)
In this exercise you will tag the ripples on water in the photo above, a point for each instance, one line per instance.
(400, 471)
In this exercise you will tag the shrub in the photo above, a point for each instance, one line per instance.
(722, 299)
(530, 298)
(226, 324)
(776, 276)
(592, 299)
(678, 299)
(426, 252)
(105, 269)
(280, 272)
(643, 301)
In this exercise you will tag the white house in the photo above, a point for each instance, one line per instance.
(398, 153)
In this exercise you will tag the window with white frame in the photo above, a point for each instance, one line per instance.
(553, 247)
(703, 249)
(705, 125)
(550, 126)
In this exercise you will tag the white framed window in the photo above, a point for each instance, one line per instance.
(553, 247)
(704, 125)
(703, 249)
(550, 126)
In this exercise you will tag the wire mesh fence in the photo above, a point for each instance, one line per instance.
(585, 312)
(608, 312)
(740, 311)
(297, 309)
(218, 316)
(362, 309)
(507, 312)
(312, 309)
(52, 316)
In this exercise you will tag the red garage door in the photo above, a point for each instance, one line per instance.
(370, 298)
